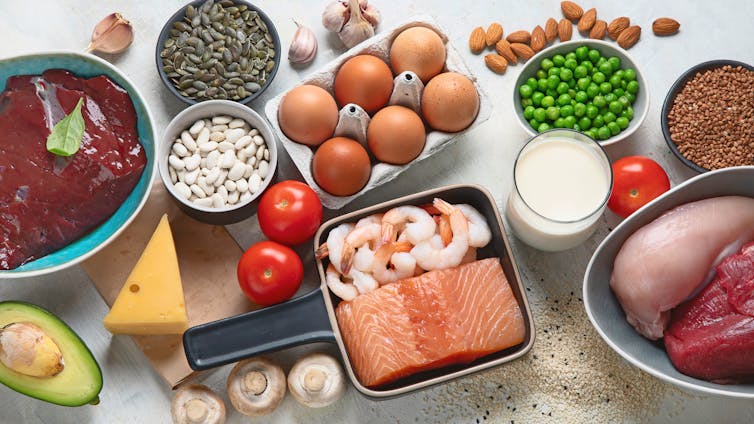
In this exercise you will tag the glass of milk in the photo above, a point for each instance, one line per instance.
(561, 183)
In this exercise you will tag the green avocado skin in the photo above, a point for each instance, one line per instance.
(78, 384)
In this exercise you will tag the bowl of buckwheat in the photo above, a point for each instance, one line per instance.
(708, 116)
(215, 159)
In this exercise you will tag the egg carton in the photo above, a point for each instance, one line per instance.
(378, 45)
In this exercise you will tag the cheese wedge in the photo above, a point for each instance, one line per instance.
(151, 301)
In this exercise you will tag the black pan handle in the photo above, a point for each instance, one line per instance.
(299, 321)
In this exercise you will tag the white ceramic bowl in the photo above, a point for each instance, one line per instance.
(640, 105)
(603, 308)
(184, 120)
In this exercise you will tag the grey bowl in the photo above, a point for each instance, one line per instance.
(603, 308)
(640, 105)
(181, 122)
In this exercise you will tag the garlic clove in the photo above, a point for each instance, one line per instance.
(336, 15)
(357, 29)
(113, 34)
(371, 14)
(304, 45)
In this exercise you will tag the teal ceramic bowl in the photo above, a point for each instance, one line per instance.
(86, 65)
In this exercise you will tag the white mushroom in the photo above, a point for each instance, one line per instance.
(317, 380)
(256, 386)
(197, 404)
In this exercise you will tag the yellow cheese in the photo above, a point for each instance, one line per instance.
(151, 301)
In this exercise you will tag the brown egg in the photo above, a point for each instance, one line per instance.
(308, 115)
(420, 50)
(341, 166)
(365, 80)
(396, 135)
(450, 102)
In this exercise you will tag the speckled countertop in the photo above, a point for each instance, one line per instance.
(569, 376)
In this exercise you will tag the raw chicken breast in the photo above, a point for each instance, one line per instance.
(672, 258)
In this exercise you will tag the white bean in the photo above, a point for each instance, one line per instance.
(198, 125)
(260, 153)
(233, 197)
(229, 185)
(221, 178)
(266, 154)
(190, 177)
(198, 191)
(217, 201)
(203, 136)
(249, 170)
(253, 132)
(217, 136)
(241, 156)
(221, 120)
(206, 187)
(242, 185)
(206, 202)
(227, 160)
(255, 181)
(237, 170)
(176, 163)
(222, 191)
(242, 142)
(250, 150)
(186, 137)
(180, 150)
(252, 161)
(218, 128)
(258, 140)
(234, 135)
(263, 168)
(236, 123)
(224, 146)
(214, 173)
(181, 175)
(213, 159)
(193, 162)
(245, 196)
(174, 176)
(182, 189)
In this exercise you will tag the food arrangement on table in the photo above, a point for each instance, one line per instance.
(414, 291)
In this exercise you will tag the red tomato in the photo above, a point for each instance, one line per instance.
(289, 212)
(270, 273)
(636, 181)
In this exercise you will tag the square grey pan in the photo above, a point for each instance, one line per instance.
(311, 317)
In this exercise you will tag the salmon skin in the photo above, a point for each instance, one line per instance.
(437, 319)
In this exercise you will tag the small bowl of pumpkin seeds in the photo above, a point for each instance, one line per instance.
(218, 50)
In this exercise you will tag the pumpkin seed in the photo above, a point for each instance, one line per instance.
(211, 92)
(168, 51)
(270, 65)
(227, 56)
(199, 85)
(241, 92)
(252, 86)
(235, 81)
(186, 84)
(231, 75)
(169, 42)
(207, 5)
(218, 26)
(190, 11)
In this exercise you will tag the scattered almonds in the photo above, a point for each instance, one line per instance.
(629, 37)
(503, 48)
(520, 36)
(587, 20)
(571, 10)
(617, 26)
(665, 26)
(538, 39)
(598, 30)
(477, 40)
(496, 63)
(523, 51)
(551, 30)
(565, 30)
(494, 34)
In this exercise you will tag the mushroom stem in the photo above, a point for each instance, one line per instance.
(196, 410)
(256, 386)
(254, 382)
(197, 404)
(317, 380)
(314, 380)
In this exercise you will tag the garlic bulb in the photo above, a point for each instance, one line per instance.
(113, 34)
(304, 45)
(354, 22)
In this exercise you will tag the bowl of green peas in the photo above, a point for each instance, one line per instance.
(589, 86)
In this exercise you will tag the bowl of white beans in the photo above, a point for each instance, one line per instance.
(215, 159)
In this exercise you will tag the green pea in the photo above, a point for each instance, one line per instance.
(620, 73)
(616, 107)
(566, 110)
(541, 74)
(528, 112)
(632, 87)
(576, 127)
(562, 88)
(572, 83)
(566, 74)
(598, 77)
(613, 127)
(558, 60)
(609, 117)
(551, 92)
(610, 97)
(592, 111)
(615, 80)
(581, 97)
(591, 134)
(588, 65)
(571, 64)
(572, 93)
(623, 84)
(553, 71)
(546, 64)
(603, 133)
(582, 53)
(598, 121)
(629, 74)
(553, 113)
(585, 123)
(631, 98)
(559, 123)
(542, 84)
(537, 97)
(622, 122)
(605, 88)
(594, 56)
(579, 110)
(599, 101)
(606, 69)
(580, 72)
(544, 126)
(564, 99)
(629, 113)
(553, 81)
(614, 62)
(532, 82)
(570, 55)
(548, 101)
(623, 100)
(619, 92)
(526, 102)
(539, 114)
(525, 91)
(592, 91)
(600, 62)
(570, 121)
(534, 123)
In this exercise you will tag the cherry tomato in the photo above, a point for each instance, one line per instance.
(636, 181)
(289, 212)
(270, 273)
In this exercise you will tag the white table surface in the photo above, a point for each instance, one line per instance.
(133, 393)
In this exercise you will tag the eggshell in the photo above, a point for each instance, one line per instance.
(365, 80)
(341, 166)
(418, 49)
(396, 135)
(450, 102)
(308, 115)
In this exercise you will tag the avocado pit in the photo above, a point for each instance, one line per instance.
(26, 349)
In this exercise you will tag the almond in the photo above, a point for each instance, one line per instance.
(598, 30)
(629, 36)
(571, 10)
(551, 30)
(617, 26)
(477, 40)
(496, 63)
(665, 26)
(565, 30)
(523, 51)
(494, 34)
(587, 21)
(520, 36)
(538, 40)
(503, 48)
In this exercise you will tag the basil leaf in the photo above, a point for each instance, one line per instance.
(65, 138)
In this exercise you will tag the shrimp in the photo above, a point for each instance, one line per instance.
(341, 289)
(427, 253)
(333, 247)
(363, 281)
(419, 225)
(479, 231)
(392, 262)
(361, 237)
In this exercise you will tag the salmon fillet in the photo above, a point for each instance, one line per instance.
(437, 319)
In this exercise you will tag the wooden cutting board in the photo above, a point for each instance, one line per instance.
(207, 257)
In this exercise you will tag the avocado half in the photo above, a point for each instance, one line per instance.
(77, 384)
